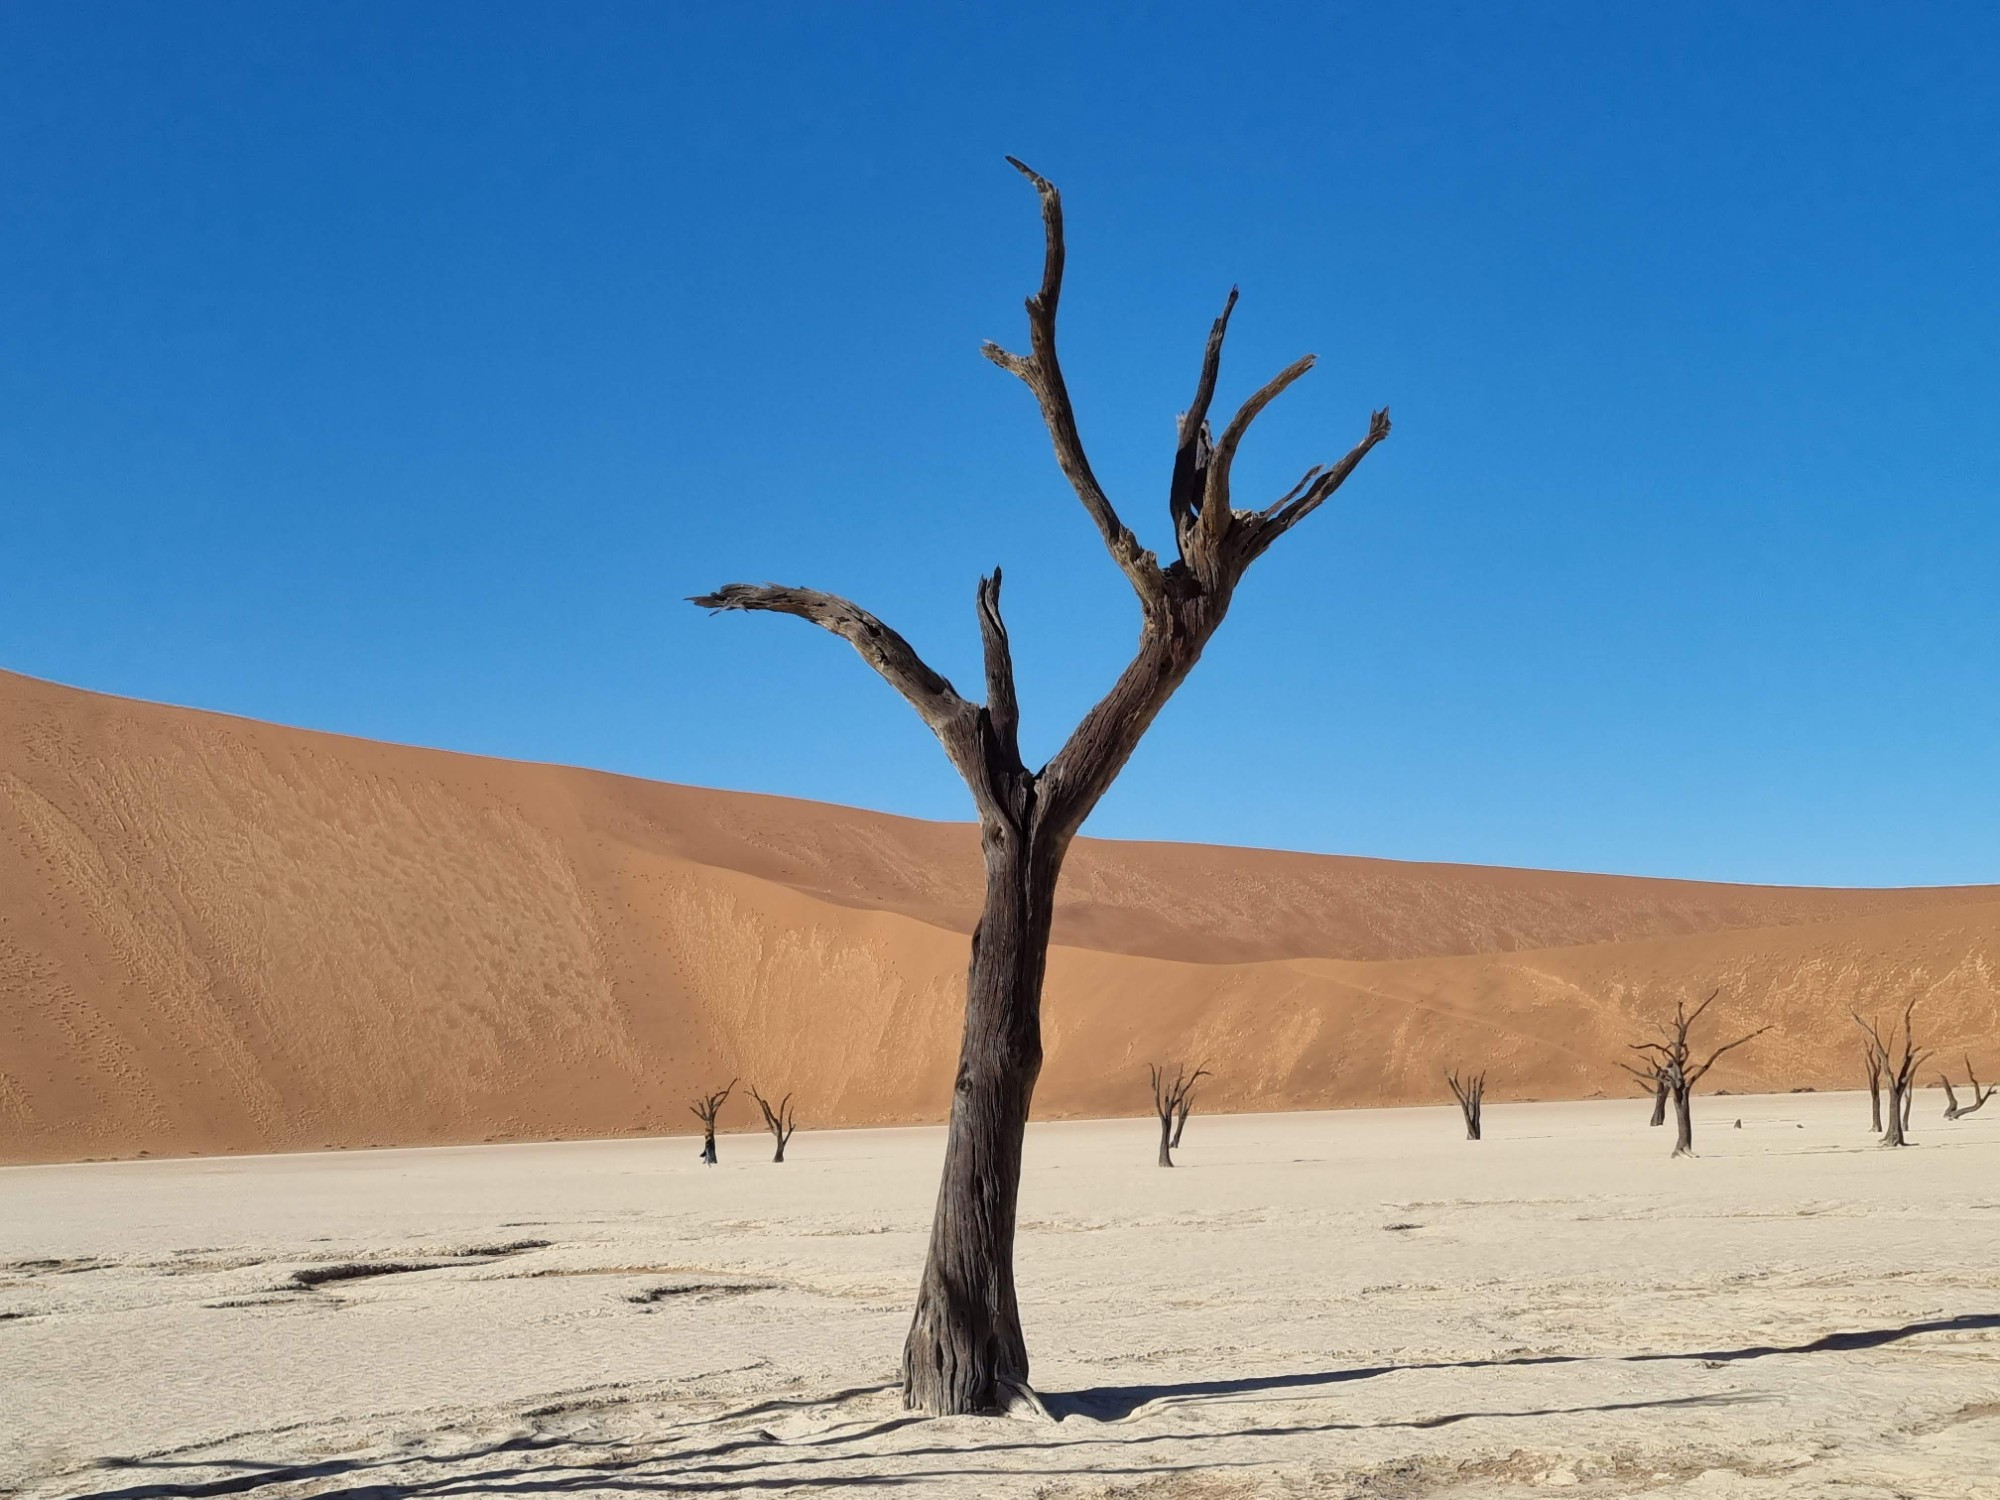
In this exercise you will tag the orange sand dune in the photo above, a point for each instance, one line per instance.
(220, 935)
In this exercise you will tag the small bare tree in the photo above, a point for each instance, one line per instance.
(705, 1110)
(965, 1351)
(1953, 1110)
(1874, 1086)
(778, 1121)
(1665, 1064)
(1171, 1102)
(1898, 1072)
(1471, 1093)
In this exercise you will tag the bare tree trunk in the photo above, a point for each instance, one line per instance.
(1660, 1104)
(1166, 1140)
(1909, 1098)
(1875, 1092)
(1683, 1122)
(965, 1347)
(1181, 1113)
(1899, 1114)
(708, 1145)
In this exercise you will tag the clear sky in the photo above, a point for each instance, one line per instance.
(397, 370)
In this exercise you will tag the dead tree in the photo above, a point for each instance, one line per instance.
(1471, 1094)
(1899, 1073)
(965, 1352)
(1660, 1103)
(1665, 1065)
(778, 1121)
(1953, 1110)
(1874, 1086)
(1181, 1113)
(705, 1110)
(1172, 1099)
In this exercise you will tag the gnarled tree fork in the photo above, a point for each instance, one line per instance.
(1173, 1098)
(965, 1351)
(1953, 1110)
(1898, 1072)
(705, 1110)
(1666, 1064)
(778, 1120)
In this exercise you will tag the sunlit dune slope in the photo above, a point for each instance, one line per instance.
(220, 935)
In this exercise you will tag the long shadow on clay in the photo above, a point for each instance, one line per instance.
(1112, 1402)
(757, 1460)
(760, 1462)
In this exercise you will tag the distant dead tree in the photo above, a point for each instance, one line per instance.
(1953, 1110)
(1659, 1103)
(778, 1121)
(1665, 1064)
(965, 1351)
(1470, 1094)
(1874, 1086)
(1172, 1099)
(1898, 1072)
(705, 1110)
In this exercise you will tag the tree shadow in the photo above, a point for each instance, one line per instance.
(1114, 1403)
(760, 1461)
(660, 1463)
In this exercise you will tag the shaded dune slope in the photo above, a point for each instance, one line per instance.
(220, 935)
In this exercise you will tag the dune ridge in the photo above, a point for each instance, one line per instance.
(218, 935)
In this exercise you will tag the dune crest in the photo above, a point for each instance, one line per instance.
(218, 935)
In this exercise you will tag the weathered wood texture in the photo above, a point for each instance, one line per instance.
(965, 1352)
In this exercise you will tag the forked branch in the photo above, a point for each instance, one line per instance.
(710, 1105)
(1041, 371)
(954, 721)
(1172, 1099)
(705, 1110)
(1195, 443)
(1953, 1110)
(777, 1120)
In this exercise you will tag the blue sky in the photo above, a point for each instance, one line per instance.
(398, 370)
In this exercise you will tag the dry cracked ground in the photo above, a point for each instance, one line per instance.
(1356, 1304)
